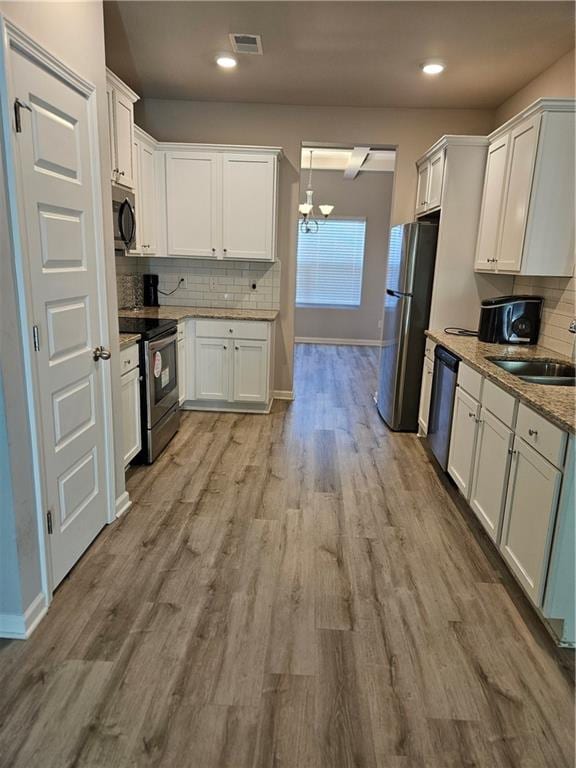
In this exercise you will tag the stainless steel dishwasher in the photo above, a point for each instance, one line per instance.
(442, 403)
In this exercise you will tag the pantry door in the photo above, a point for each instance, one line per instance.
(54, 135)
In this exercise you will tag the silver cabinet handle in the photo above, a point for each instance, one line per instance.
(533, 432)
(101, 353)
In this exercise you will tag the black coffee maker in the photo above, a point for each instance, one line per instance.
(150, 290)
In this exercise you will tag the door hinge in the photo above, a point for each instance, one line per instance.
(49, 522)
(18, 106)
(36, 337)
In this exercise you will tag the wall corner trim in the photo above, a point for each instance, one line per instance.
(123, 504)
(19, 626)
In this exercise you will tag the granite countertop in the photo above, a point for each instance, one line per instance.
(127, 339)
(213, 313)
(555, 403)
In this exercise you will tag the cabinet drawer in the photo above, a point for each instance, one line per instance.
(470, 380)
(233, 329)
(429, 349)
(500, 403)
(548, 439)
(128, 359)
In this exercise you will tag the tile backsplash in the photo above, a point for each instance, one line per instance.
(208, 283)
(559, 309)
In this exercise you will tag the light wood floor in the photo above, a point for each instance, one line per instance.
(296, 590)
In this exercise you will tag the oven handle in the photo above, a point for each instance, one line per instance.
(157, 344)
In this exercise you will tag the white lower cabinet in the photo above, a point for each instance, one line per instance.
(531, 505)
(132, 435)
(250, 371)
(212, 369)
(490, 474)
(425, 393)
(463, 440)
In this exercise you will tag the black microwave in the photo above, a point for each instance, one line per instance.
(124, 216)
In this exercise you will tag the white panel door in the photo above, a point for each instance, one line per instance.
(522, 154)
(463, 440)
(425, 393)
(250, 371)
(148, 206)
(124, 135)
(436, 178)
(492, 201)
(56, 165)
(248, 206)
(490, 476)
(131, 430)
(213, 369)
(529, 517)
(422, 188)
(193, 204)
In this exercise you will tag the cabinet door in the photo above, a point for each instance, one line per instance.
(182, 371)
(522, 154)
(529, 517)
(147, 189)
(491, 469)
(248, 206)
(124, 135)
(492, 199)
(111, 139)
(137, 249)
(463, 440)
(250, 371)
(193, 208)
(436, 177)
(132, 435)
(213, 369)
(425, 392)
(422, 188)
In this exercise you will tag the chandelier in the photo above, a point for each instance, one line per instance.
(309, 222)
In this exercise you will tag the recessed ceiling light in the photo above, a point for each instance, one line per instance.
(432, 67)
(226, 61)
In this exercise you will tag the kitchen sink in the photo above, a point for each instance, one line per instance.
(538, 371)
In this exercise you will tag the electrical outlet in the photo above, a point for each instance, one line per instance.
(254, 286)
(213, 285)
(182, 282)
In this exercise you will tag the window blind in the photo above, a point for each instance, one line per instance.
(330, 264)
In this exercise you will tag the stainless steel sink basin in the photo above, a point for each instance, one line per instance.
(538, 371)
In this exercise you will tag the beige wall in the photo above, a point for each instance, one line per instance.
(556, 81)
(73, 32)
(411, 130)
(368, 195)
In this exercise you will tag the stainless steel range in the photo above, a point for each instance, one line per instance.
(159, 411)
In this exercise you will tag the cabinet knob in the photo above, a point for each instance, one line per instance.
(231, 330)
(213, 250)
(225, 347)
(511, 451)
(533, 432)
(236, 348)
(471, 415)
(225, 250)
(121, 173)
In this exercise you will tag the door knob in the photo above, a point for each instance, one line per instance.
(101, 353)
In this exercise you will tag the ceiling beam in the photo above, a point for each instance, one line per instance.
(359, 154)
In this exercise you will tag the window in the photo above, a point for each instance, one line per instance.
(330, 263)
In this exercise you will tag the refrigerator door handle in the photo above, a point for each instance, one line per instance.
(397, 294)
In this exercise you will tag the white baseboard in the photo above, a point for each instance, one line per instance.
(123, 504)
(19, 626)
(339, 342)
(283, 394)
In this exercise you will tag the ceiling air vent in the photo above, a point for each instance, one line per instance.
(246, 43)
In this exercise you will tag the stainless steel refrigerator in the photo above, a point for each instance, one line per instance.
(410, 274)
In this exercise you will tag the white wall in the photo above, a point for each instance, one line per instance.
(368, 195)
(73, 32)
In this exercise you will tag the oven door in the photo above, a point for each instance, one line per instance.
(161, 360)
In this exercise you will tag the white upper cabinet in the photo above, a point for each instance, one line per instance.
(146, 189)
(248, 206)
(121, 100)
(430, 170)
(527, 217)
(193, 213)
(221, 204)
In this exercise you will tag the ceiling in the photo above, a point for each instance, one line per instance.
(336, 159)
(338, 53)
